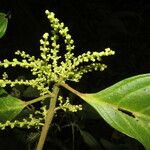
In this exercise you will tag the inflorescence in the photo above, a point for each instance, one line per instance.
(51, 67)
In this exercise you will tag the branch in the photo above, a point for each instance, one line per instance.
(66, 86)
(38, 99)
(49, 117)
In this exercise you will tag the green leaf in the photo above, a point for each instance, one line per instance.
(109, 145)
(126, 107)
(31, 92)
(90, 140)
(10, 106)
(3, 24)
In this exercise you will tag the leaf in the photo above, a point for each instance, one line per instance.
(90, 140)
(109, 145)
(31, 92)
(32, 137)
(10, 106)
(126, 107)
(3, 24)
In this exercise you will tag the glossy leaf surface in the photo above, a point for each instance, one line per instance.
(10, 106)
(126, 107)
(3, 24)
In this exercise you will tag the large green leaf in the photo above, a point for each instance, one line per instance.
(10, 106)
(3, 24)
(126, 107)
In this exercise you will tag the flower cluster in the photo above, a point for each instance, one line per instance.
(31, 121)
(47, 69)
(67, 106)
(52, 68)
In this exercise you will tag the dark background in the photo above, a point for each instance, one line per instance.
(122, 25)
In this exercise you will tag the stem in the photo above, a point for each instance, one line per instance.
(49, 117)
(37, 99)
(66, 86)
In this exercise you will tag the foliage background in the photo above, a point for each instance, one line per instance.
(124, 26)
